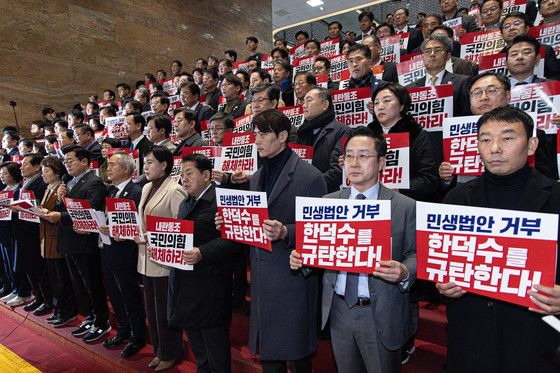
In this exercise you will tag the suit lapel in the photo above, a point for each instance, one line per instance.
(158, 196)
(78, 187)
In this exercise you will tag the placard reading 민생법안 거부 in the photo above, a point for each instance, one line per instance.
(243, 214)
(168, 239)
(496, 253)
(350, 235)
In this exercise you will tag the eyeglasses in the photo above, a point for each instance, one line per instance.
(429, 51)
(260, 100)
(507, 26)
(490, 10)
(491, 90)
(217, 129)
(361, 158)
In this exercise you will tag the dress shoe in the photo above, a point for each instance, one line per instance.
(5, 291)
(43, 309)
(18, 301)
(166, 364)
(33, 305)
(62, 320)
(116, 341)
(154, 363)
(131, 349)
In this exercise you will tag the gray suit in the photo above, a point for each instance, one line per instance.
(390, 303)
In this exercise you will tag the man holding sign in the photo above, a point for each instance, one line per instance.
(502, 336)
(370, 314)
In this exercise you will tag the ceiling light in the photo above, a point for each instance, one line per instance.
(314, 3)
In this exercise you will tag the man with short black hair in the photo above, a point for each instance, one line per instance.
(81, 249)
(367, 25)
(134, 124)
(322, 66)
(523, 55)
(252, 44)
(231, 89)
(301, 37)
(75, 117)
(415, 37)
(359, 61)
(303, 82)
(108, 95)
(159, 129)
(176, 68)
(503, 336)
(188, 129)
(123, 90)
(189, 94)
(160, 103)
(389, 68)
(211, 92)
(231, 55)
(335, 31)
(449, 9)
(85, 137)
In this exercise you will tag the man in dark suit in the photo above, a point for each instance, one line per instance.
(85, 137)
(283, 304)
(28, 250)
(520, 341)
(415, 37)
(517, 23)
(81, 250)
(200, 300)
(135, 123)
(231, 89)
(190, 94)
(522, 58)
(449, 9)
(370, 317)
(10, 145)
(437, 50)
(188, 130)
(458, 65)
(119, 261)
(367, 25)
(389, 68)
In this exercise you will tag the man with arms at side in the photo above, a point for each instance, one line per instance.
(370, 315)
(520, 341)
(188, 129)
(119, 260)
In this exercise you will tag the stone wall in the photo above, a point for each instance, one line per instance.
(57, 53)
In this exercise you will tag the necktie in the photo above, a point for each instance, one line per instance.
(131, 145)
(71, 184)
(521, 83)
(433, 80)
(114, 192)
(351, 289)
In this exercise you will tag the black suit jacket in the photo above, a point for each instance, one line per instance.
(201, 298)
(415, 39)
(461, 99)
(120, 255)
(89, 187)
(389, 72)
(8, 156)
(95, 153)
(143, 146)
(203, 112)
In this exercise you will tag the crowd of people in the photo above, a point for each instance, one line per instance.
(56, 271)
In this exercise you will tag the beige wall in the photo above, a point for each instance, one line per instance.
(58, 52)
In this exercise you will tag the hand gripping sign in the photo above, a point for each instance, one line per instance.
(496, 253)
(343, 234)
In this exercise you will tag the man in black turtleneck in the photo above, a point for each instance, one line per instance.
(359, 65)
(283, 303)
(322, 131)
(486, 335)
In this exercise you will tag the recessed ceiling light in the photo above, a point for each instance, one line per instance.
(314, 3)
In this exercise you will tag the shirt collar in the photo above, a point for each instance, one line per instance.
(194, 106)
(123, 185)
(204, 191)
(528, 80)
(371, 193)
(137, 140)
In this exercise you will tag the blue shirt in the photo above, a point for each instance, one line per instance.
(363, 286)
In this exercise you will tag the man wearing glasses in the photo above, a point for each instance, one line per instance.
(370, 315)
(436, 51)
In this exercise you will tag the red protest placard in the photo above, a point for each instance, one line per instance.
(6, 198)
(211, 152)
(123, 218)
(169, 87)
(338, 65)
(410, 71)
(456, 25)
(297, 52)
(396, 174)
(176, 170)
(404, 40)
(330, 47)
(204, 131)
(243, 124)
(496, 63)
(83, 217)
(116, 128)
(548, 34)
(391, 49)
(344, 80)
(496, 253)
(541, 99)
(28, 196)
(304, 63)
(343, 234)
(305, 152)
(460, 145)
(322, 80)
(515, 6)
(243, 213)
(350, 106)
(430, 105)
(483, 43)
(238, 152)
(294, 114)
(168, 239)
(411, 56)
(558, 152)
